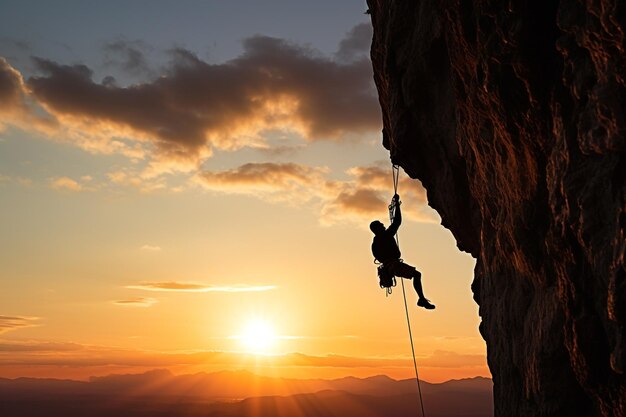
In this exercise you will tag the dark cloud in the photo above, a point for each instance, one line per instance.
(109, 81)
(357, 43)
(197, 106)
(183, 57)
(8, 323)
(129, 56)
(70, 91)
(332, 97)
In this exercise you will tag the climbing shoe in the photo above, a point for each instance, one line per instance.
(422, 302)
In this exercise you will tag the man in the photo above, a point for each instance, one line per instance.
(385, 250)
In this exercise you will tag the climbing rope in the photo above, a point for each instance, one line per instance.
(392, 208)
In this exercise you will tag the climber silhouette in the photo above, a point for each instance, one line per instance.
(385, 250)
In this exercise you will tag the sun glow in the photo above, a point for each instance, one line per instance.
(258, 336)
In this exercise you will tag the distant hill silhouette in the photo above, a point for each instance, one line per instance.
(240, 394)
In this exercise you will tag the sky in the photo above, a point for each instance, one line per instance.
(188, 185)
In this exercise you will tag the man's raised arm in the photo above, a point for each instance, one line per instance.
(397, 218)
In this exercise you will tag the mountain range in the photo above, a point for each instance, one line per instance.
(240, 394)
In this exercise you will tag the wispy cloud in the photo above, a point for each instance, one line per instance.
(65, 183)
(51, 354)
(151, 248)
(16, 346)
(136, 302)
(280, 181)
(7, 179)
(172, 286)
(8, 323)
(449, 359)
(145, 181)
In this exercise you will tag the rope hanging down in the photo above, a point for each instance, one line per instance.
(392, 208)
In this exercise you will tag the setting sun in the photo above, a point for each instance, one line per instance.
(258, 336)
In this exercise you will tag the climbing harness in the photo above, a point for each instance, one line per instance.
(392, 211)
(386, 279)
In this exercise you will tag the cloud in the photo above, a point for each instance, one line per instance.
(145, 181)
(12, 94)
(274, 151)
(361, 201)
(16, 45)
(195, 106)
(137, 302)
(7, 179)
(8, 323)
(275, 180)
(368, 193)
(128, 56)
(65, 183)
(449, 359)
(195, 287)
(365, 194)
(177, 120)
(11, 86)
(15, 106)
(357, 43)
(151, 248)
(71, 354)
(38, 346)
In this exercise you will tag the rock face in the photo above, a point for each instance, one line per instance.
(512, 115)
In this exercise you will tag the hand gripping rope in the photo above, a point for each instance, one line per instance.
(392, 210)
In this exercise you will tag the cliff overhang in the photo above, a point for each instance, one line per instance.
(511, 114)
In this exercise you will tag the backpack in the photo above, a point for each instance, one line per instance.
(386, 279)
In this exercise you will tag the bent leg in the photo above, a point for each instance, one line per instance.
(417, 284)
(400, 269)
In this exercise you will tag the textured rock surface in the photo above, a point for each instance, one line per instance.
(512, 116)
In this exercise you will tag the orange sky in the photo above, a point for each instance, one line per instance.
(148, 218)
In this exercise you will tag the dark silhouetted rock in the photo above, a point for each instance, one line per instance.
(511, 114)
